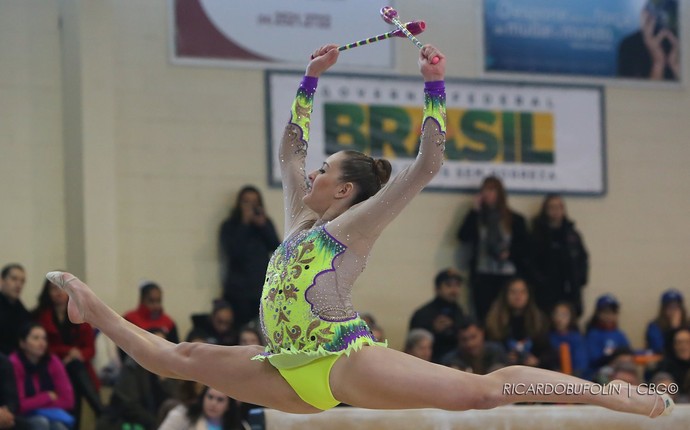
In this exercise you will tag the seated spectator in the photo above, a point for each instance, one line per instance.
(149, 315)
(9, 402)
(603, 336)
(566, 339)
(378, 333)
(13, 314)
(442, 314)
(474, 354)
(249, 335)
(218, 327)
(73, 344)
(137, 397)
(516, 322)
(672, 315)
(210, 410)
(419, 343)
(676, 361)
(42, 381)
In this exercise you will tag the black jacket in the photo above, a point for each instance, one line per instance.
(12, 317)
(424, 318)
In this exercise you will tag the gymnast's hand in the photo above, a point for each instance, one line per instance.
(322, 59)
(432, 72)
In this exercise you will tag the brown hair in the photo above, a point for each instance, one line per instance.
(501, 200)
(368, 174)
(498, 318)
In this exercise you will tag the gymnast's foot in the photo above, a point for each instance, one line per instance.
(662, 403)
(77, 291)
(663, 407)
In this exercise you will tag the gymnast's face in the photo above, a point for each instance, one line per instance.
(325, 185)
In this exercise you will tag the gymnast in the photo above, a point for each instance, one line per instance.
(319, 352)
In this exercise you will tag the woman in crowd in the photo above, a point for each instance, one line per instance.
(247, 239)
(212, 410)
(73, 344)
(149, 315)
(516, 321)
(499, 241)
(672, 315)
(560, 261)
(44, 390)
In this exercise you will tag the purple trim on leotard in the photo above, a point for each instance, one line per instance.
(332, 269)
(435, 88)
(309, 84)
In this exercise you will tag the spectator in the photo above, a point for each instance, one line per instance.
(474, 354)
(677, 360)
(672, 315)
(150, 315)
(211, 410)
(137, 397)
(42, 382)
(499, 241)
(516, 322)
(250, 335)
(603, 336)
(71, 343)
(13, 314)
(218, 327)
(420, 343)
(9, 402)
(565, 337)
(560, 261)
(247, 239)
(441, 315)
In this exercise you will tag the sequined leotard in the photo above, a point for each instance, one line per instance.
(306, 305)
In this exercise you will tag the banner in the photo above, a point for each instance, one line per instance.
(275, 33)
(537, 138)
(630, 39)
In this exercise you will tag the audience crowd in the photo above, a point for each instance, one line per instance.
(525, 290)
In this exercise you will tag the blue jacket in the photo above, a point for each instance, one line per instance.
(601, 343)
(578, 350)
(655, 338)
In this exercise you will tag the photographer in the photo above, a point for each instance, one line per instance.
(247, 239)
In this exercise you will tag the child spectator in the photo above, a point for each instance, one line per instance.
(603, 336)
(218, 327)
(566, 339)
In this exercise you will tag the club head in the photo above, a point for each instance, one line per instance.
(388, 14)
(414, 27)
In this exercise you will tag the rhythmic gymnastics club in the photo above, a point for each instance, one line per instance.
(390, 15)
(414, 27)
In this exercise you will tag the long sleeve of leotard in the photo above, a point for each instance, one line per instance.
(368, 219)
(293, 152)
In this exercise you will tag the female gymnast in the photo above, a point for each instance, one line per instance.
(319, 351)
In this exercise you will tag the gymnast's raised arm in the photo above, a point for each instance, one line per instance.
(293, 148)
(368, 219)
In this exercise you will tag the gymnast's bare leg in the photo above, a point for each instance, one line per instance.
(226, 368)
(381, 378)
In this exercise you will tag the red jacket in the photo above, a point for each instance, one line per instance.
(142, 318)
(83, 339)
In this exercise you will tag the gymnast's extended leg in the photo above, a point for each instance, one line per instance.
(226, 368)
(381, 378)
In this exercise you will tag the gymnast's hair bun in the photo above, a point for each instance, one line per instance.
(382, 169)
